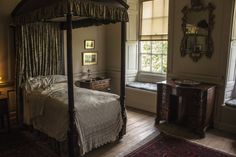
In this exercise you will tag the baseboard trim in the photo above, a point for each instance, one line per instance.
(225, 127)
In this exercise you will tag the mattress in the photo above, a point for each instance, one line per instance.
(98, 114)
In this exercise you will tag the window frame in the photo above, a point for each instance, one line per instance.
(161, 75)
(151, 54)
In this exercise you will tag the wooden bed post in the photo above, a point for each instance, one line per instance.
(19, 96)
(72, 135)
(122, 73)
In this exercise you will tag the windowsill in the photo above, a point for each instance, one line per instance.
(228, 107)
(151, 77)
(231, 103)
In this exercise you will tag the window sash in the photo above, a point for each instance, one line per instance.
(161, 71)
(151, 54)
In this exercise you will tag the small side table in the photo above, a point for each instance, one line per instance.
(4, 111)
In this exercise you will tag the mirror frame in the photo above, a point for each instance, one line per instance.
(210, 47)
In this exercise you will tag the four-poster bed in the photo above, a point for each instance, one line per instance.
(69, 14)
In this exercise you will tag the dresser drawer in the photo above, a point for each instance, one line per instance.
(101, 84)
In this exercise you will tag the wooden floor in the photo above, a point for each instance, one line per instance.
(141, 129)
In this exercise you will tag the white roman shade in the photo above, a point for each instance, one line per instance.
(154, 20)
(234, 24)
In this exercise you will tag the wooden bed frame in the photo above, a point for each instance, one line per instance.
(30, 11)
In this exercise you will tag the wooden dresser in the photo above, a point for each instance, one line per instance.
(8, 104)
(100, 84)
(4, 111)
(191, 106)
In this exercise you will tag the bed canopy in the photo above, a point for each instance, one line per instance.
(101, 11)
(69, 14)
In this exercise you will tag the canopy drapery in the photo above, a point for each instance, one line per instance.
(108, 10)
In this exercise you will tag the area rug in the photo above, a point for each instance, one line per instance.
(18, 144)
(167, 146)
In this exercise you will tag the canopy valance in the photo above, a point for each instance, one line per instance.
(29, 11)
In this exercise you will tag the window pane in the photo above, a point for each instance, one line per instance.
(156, 63)
(145, 46)
(159, 47)
(164, 47)
(145, 62)
(164, 65)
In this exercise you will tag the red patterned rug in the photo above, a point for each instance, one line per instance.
(167, 146)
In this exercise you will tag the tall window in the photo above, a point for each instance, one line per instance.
(230, 91)
(153, 36)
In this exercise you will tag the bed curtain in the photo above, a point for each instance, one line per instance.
(39, 52)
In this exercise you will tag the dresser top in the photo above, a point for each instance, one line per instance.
(195, 85)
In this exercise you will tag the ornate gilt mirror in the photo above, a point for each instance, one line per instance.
(197, 26)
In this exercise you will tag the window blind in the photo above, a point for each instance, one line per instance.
(234, 24)
(154, 20)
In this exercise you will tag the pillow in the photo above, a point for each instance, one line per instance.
(40, 83)
(37, 83)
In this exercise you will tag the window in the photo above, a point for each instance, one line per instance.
(153, 36)
(230, 90)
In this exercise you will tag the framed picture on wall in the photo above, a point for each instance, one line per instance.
(89, 58)
(89, 44)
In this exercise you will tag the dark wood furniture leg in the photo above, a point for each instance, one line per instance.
(157, 121)
(4, 112)
(2, 121)
(8, 119)
(72, 132)
(159, 100)
(122, 78)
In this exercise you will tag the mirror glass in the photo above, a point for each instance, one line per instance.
(197, 27)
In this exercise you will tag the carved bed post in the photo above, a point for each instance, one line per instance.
(122, 73)
(72, 135)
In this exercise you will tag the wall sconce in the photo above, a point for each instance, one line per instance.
(0, 84)
(1, 79)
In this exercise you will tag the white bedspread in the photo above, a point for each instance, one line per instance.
(98, 115)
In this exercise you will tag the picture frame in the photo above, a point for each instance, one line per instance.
(89, 58)
(89, 44)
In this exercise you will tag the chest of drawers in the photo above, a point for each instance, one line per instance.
(191, 106)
